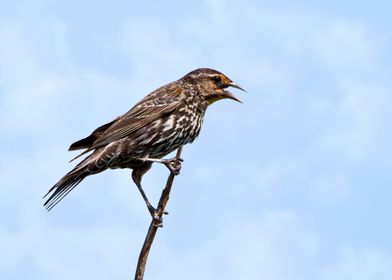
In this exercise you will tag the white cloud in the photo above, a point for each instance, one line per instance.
(354, 125)
(148, 43)
(274, 245)
(341, 43)
(329, 188)
(68, 252)
(359, 265)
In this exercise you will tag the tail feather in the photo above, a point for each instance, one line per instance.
(96, 162)
(63, 187)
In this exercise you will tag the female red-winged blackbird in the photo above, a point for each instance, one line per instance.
(167, 118)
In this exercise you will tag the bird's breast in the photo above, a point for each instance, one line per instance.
(166, 134)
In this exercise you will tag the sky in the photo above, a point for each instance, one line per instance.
(295, 183)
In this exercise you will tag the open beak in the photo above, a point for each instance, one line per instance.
(234, 85)
(229, 95)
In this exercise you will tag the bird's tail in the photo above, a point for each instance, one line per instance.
(65, 185)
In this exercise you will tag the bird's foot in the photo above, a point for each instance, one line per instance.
(173, 164)
(154, 214)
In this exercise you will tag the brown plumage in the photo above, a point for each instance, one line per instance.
(167, 118)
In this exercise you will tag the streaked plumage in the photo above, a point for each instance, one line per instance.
(167, 118)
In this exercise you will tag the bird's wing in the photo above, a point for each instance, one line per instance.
(86, 142)
(158, 103)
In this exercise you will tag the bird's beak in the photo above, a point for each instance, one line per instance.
(229, 95)
(234, 85)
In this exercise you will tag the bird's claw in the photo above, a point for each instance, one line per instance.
(154, 214)
(159, 224)
(159, 220)
(173, 164)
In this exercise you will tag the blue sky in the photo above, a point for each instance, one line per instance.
(293, 184)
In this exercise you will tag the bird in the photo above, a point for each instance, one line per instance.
(167, 118)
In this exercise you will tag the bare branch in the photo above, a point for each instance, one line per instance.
(155, 224)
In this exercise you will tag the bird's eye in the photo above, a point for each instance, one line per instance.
(216, 79)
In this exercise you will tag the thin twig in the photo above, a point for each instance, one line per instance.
(155, 224)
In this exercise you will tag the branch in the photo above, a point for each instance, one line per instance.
(155, 224)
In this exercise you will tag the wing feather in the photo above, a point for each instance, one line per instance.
(160, 102)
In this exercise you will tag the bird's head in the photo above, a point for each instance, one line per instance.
(212, 84)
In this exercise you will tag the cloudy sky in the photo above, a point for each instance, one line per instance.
(295, 183)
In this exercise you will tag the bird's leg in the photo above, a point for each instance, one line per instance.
(173, 164)
(151, 209)
(137, 178)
